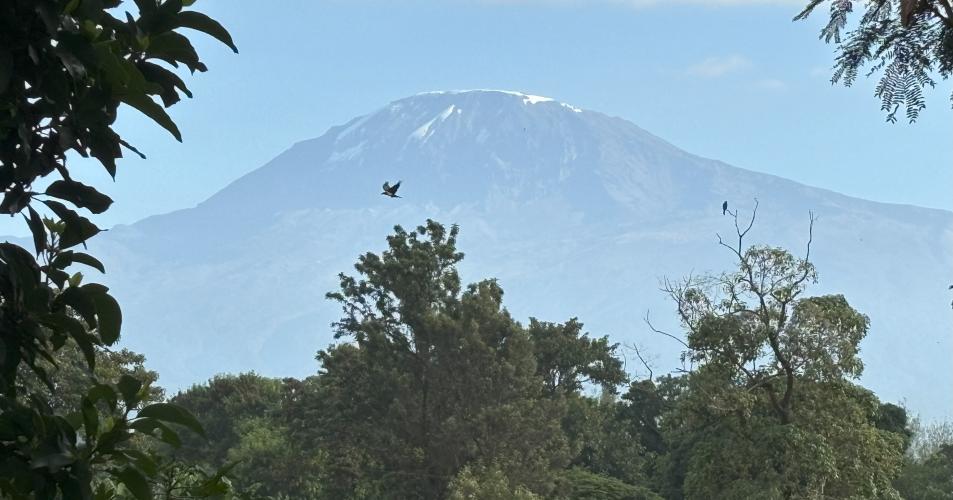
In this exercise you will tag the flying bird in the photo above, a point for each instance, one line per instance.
(391, 190)
(724, 207)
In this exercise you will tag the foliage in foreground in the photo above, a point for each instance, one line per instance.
(909, 41)
(65, 67)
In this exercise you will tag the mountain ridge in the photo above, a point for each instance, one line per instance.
(576, 212)
(347, 126)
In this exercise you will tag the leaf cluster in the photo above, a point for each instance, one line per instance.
(910, 42)
(65, 68)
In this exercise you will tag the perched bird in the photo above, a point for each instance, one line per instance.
(391, 190)
(724, 207)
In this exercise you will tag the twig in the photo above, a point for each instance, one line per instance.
(642, 359)
(810, 235)
(656, 330)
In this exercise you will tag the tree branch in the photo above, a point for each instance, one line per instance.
(656, 330)
(642, 359)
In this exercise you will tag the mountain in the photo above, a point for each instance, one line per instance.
(575, 212)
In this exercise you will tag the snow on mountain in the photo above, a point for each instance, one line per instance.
(577, 214)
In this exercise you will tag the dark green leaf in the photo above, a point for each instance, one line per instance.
(65, 259)
(132, 148)
(36, 228)
(168, 412)
(22, 269)
(119, 433)
(85, 343)
(215, 485)
(110, 318)
(58, 277)
(72, 63)
(78, 229)
(129, 388)
(150, 426)
(95, 288)
(80, 195)
(81, 302)
(102, 392)
(146, 7)
(174, 48)
(15, 199)
(143, 461)
(64, 323)
(136, 482)
(207, 25)
(148, 107)
(89, 260)
(168, 80)
(90, 418)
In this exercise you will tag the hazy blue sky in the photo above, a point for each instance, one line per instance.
(733, 80)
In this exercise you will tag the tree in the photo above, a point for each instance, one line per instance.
(928, 466)
(927, 439)
(930, 478)
(221, 405)
(65, 67)
(910, 41)
(247, 419)
(769, 409)
(603, 441)
(566, 358)
(486, 484)
(641, 412)
(579, 484)
(433, 379)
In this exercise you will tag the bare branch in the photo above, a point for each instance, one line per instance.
(807, 254)
(656, 330)
(721, 242)
(810, 235)
(741, 233)
(638, 353)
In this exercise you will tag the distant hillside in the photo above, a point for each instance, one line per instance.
(576, 213)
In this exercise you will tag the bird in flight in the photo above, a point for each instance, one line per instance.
(391, 190)
(724, 207)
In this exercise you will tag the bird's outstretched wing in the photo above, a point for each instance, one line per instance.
(395, 187)
(386, 186)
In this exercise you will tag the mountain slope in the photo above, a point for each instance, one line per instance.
(577, 214)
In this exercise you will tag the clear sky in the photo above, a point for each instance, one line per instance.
(734, 80)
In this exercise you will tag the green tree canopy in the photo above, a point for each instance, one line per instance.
(566, 358)
(247, 419)
(769, 410)
(434, 378)
(930, 478)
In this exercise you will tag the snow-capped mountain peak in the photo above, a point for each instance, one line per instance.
(576, 213)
